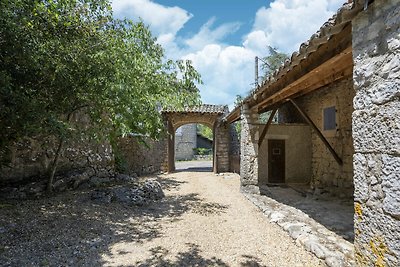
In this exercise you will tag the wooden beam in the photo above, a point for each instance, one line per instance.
(306, 63)
(326, 73)
(320, 135)
(265, 130)
(234, 115)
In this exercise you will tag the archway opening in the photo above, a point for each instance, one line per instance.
(194, 147)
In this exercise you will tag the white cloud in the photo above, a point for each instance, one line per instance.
(256, 41)
(229, 70)
(207, 35)
(225, 72)
(161, 19)
(288, 23)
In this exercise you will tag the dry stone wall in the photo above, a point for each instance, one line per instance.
(138, 158)
(376, 133)
(32, 157)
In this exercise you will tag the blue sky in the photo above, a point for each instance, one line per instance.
(222, 37)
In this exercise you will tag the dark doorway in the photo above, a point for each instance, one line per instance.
(276, 161)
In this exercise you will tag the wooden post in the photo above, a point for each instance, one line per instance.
(265, 130)
(321, 136)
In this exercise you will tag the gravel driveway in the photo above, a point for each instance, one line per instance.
(203, 221)
(209, 223)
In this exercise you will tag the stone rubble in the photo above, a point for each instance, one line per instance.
(73, 180)
(151, 190)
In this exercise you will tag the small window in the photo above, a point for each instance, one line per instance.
(330, 118)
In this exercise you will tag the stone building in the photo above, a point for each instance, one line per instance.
(338, 100)
(185, 141)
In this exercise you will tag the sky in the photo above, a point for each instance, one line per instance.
(222, 37)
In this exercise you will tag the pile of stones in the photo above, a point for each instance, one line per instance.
(77, 179)
(137, 195)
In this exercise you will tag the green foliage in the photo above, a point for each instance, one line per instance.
(273, 61)
(238, 101)
(202, 151)
(205, 131)
(63, 57)
(58, 57)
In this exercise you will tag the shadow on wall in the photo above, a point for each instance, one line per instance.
(72, 229)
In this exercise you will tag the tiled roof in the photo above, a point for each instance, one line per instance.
(333, 26)
(217, 109)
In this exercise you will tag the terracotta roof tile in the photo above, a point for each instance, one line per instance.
(218, 109)
(333, 26)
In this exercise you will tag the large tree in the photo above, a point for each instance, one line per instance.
(59, 57)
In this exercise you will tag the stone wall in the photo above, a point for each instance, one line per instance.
(221, 153)
(234, 149)
(185, 141)
(297, 152)
(326, 172)
(249, 150)
(376, 134)
(141, 157)
(31, 158)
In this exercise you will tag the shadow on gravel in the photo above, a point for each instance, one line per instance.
(71, 230)
(191, 257)
(333, 213)
(251, 261)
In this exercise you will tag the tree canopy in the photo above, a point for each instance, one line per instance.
(59, 57)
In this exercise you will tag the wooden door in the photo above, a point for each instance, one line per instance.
(276, 161)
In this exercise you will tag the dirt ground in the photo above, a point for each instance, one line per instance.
(203, 221)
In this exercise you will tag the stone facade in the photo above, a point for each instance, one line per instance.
(326, 172)
(376, 134)
(141, 157)
(297, 152)
(185, 141)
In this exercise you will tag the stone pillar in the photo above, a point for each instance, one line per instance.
(221, 140)
(376, 134)
(170, 147)
(249, 150)
(234, 150)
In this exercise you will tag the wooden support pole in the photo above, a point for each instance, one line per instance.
(321, 136)
(265, 130)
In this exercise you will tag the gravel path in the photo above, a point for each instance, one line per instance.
(212, 225)
(203, 221)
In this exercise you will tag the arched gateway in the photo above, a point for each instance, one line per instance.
(209, 115)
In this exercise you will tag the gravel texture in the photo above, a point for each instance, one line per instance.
(203, 220)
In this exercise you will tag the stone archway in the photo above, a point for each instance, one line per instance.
(209, 115)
